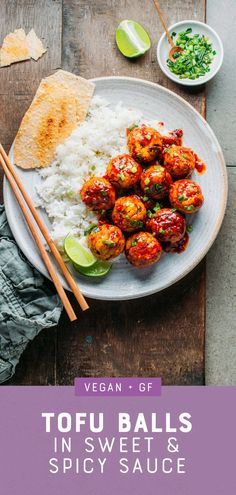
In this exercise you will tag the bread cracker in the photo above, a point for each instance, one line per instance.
(14, 48)
(35, 45)
(61, 103)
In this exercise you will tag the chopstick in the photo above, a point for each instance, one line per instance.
(43, 252)
(15, 181)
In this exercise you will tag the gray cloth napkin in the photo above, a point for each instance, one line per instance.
(28, 302)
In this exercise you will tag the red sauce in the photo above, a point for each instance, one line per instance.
(104, 219)
(174, 137)
(200, 166)
(177, 247)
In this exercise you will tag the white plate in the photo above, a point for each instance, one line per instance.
(125, 281)
(198, 27)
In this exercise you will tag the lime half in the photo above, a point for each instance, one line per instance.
(132, 39)
(77, 253)
(98, 269)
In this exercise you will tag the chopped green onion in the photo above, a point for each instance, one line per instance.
(121, 177)
(189, 229)
(161, 231)
(195, 59)
(132, 127)
(189, 208)
(70, 194)
(134, 242)
(136, 222)
(157, 207)
(181, 198)
(104, 193)
(109, 243)
(89, 229)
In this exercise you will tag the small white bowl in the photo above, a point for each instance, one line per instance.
(163, 48)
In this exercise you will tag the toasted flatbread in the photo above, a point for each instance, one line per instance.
(61, 103)
(14, 48)
(35, 45)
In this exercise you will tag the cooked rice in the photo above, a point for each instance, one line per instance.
(85, 153)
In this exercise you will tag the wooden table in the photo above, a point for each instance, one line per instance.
(160, 335)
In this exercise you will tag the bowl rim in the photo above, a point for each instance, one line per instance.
(190, 82)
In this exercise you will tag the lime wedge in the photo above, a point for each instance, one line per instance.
(132, 40)
(77, 253)
(98, 269)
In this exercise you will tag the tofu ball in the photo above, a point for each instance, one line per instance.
(186, 196)
(156, 182)
(179, 161)
(106, 242)
(144, 144)
(98, 194)
(129, 213)
(176, 247)
(168, 225)
(142, 249)
(123, 171)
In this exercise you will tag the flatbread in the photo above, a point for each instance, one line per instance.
(35, 45)
(61, 103)
(14, 48)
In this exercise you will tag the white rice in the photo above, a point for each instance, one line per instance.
(85, 153)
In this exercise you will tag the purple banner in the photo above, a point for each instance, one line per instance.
(115, 387)
(55, 443)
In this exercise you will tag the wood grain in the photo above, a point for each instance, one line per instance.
(89, 47)
(18, 84)
(162, 335)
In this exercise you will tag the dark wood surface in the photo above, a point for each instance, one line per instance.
(161, 335)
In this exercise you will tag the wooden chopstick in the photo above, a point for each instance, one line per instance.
(75, 289)
(10, 169)
(43, 252)
(157, 6)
